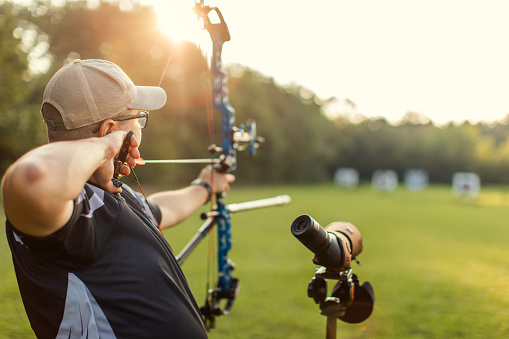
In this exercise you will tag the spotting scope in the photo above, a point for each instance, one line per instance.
(334, 246)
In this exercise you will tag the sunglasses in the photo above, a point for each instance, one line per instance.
(143, 120)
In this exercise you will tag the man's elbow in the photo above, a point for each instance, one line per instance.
(20, 183)
(20, 177)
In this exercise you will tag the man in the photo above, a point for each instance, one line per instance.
(89, 258)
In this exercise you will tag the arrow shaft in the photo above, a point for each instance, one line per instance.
(183, 161)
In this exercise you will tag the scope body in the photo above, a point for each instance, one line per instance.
(333, 246)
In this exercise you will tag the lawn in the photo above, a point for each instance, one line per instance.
(439, 266)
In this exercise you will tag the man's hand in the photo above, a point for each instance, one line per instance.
(218, 182)
(103, 175)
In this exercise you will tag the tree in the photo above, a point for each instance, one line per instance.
(17, 123)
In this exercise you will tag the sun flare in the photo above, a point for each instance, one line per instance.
(177, 20)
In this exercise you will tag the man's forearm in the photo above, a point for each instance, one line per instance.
(39, 187)
(178, 205)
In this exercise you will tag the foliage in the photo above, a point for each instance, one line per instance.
(375, 144)
(12, 58)
(16, 117)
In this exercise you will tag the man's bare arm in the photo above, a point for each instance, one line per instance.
(178, 205)
(39, 188)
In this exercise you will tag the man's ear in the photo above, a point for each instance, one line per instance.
(107, 127)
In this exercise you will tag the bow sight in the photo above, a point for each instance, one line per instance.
(334, 247)
(243, 137)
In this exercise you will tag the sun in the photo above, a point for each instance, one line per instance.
(177, 20)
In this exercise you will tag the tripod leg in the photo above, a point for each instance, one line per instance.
(331, 327)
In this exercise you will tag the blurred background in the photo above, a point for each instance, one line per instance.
(437, 261)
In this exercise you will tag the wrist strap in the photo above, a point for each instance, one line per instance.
(203, 184)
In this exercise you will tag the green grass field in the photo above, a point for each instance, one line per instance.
(439, 266)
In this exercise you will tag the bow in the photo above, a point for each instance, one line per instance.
(233, 139)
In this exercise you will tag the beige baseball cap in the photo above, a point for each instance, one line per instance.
(89, 91)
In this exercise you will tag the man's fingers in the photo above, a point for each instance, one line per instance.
(134, 141)
(109, 187)
(134, 154)
(125, 170)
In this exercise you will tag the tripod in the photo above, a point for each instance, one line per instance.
(349, 301)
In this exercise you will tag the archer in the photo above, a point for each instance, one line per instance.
(89, 258)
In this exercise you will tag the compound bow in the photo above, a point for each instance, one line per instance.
(233, 139)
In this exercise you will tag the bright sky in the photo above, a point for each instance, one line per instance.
(446, 59)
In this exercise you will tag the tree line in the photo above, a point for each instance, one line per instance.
(302, 144)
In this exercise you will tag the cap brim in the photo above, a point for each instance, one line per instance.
(148, 98)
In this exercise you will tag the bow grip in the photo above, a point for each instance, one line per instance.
(121, 160)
